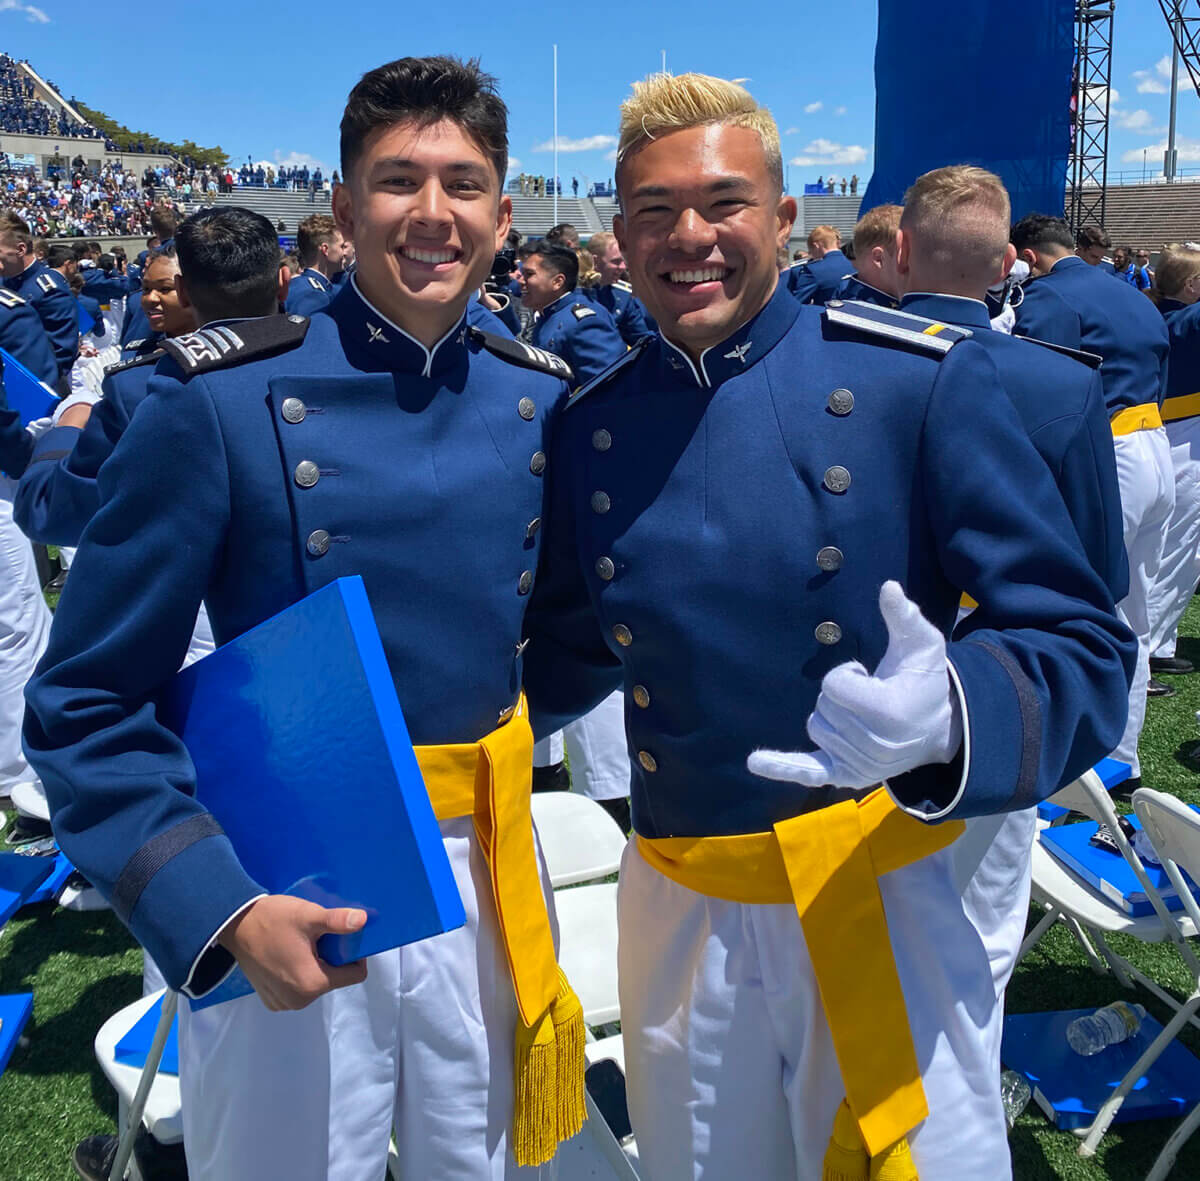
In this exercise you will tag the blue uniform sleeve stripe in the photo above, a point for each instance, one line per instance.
(154, 854)
(1025, 794)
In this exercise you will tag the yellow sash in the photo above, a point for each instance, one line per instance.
(827, 863)
(1136, 418)
(491, 781)
(1184, 406)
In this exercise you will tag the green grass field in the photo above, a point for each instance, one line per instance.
(83, 967)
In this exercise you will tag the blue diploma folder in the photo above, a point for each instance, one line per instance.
(26, 395)
(303, 756)
(1108, 871)
(134, 1047)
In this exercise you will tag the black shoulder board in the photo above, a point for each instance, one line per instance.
(525, 355)
(221, 346)
(1091, 360)
(932, 336)
(635, 351)
(150, 358)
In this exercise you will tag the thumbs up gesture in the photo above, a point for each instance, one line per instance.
(869, 727)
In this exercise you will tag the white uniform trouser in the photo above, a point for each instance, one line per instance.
(597, 748)
(1147, 483)
(730, 1066)
(424, 1044)
(1180, 567)
(24, 631)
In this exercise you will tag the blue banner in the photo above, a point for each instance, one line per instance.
(987, 82)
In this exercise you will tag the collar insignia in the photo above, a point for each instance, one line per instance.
(376, 332)
(738, 352)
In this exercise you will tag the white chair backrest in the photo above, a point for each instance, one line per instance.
(1174, 830)
(1088, 795)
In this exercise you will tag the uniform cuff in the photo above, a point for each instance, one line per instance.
(214, 963)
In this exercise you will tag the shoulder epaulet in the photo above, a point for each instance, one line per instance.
(930, 335)
(580, 312)
(10, 299)
(225, 345)
(624, 286)
(46, 282)
(150, 358)
(134, 344)
(1091, 360)
(635, 351)
(800, 262)
(525, 355)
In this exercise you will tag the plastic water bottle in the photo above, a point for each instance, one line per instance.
(1105, 1027)
(1015, 1095)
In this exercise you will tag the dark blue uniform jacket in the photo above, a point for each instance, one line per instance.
(50, 296)
(23, 336)
(628, 312)
(719, 533)
(308, 292)
(1078, 306)
(1061, 402)
(430, 484)
(817, 280)
(579, 331)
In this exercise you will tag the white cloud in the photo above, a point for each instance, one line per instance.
(792, 131)
(514, 164)
(813, 108)
(1188, 150)
(1139, 120)
(588, 143)
(611, 155)
(1158, 79)
(839, 111)
(825, 151)
(32, 13)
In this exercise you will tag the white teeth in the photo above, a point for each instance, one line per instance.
(433, 256)
(705, 275)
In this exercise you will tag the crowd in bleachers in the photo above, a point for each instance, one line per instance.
(22, 112)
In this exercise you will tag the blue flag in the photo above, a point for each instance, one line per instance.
(25, 394)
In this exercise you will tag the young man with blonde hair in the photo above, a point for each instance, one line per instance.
(772, 561)
(953, 246)
(818, 279)
(875, 259)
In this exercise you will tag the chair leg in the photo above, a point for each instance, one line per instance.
(149, 1071)
(1114, 962)
(1166, 1159)
(1094, 961)
(1035, 936)
(1112, 1104)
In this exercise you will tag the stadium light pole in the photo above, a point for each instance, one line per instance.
(1169, 162)
(664, 61)
(554, 181)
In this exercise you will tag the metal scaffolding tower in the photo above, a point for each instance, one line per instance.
(1093, 78)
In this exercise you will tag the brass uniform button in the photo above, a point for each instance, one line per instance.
(622, 635)
(648, 761)
(641, 696)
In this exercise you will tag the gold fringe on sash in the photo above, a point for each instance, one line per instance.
(490, 781)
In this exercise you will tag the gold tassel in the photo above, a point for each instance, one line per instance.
(895, 1163)
(535, 1080)
(569, 1036)
(846, 1158)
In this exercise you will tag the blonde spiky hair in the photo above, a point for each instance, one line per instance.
(664, 103)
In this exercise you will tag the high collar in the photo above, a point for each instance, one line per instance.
(951, 309)
(379, 344)
(1067, 262)
(1169, 306)
(557, 305)
(741, 349)
(319, 277)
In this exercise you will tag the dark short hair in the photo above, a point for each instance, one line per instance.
(59, 255)
(163, 222)
(229, 257)
(1036, 231)
(1089, 236)
(426, 90)
(80, 251)
(561, 260)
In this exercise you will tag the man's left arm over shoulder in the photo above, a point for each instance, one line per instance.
(1043, 665)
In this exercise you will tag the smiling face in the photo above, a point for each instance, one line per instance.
(423, 208)
(540, 284)
(160, 299)
(702, 219)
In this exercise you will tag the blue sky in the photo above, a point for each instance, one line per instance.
(269, 81)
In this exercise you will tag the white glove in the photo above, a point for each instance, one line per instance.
(81, 397)
(869, 728)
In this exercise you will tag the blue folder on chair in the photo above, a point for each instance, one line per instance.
(24, 393)
(303, 756)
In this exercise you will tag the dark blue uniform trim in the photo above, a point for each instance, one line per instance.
(154, 854)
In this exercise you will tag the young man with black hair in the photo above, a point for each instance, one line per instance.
(1070, 303)
(566, 322)
(357, 442)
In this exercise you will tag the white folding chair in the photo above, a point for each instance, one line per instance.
(1174, 831)
(143, 1095)
(580, 840)
(587, 952)
(1088, 913)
